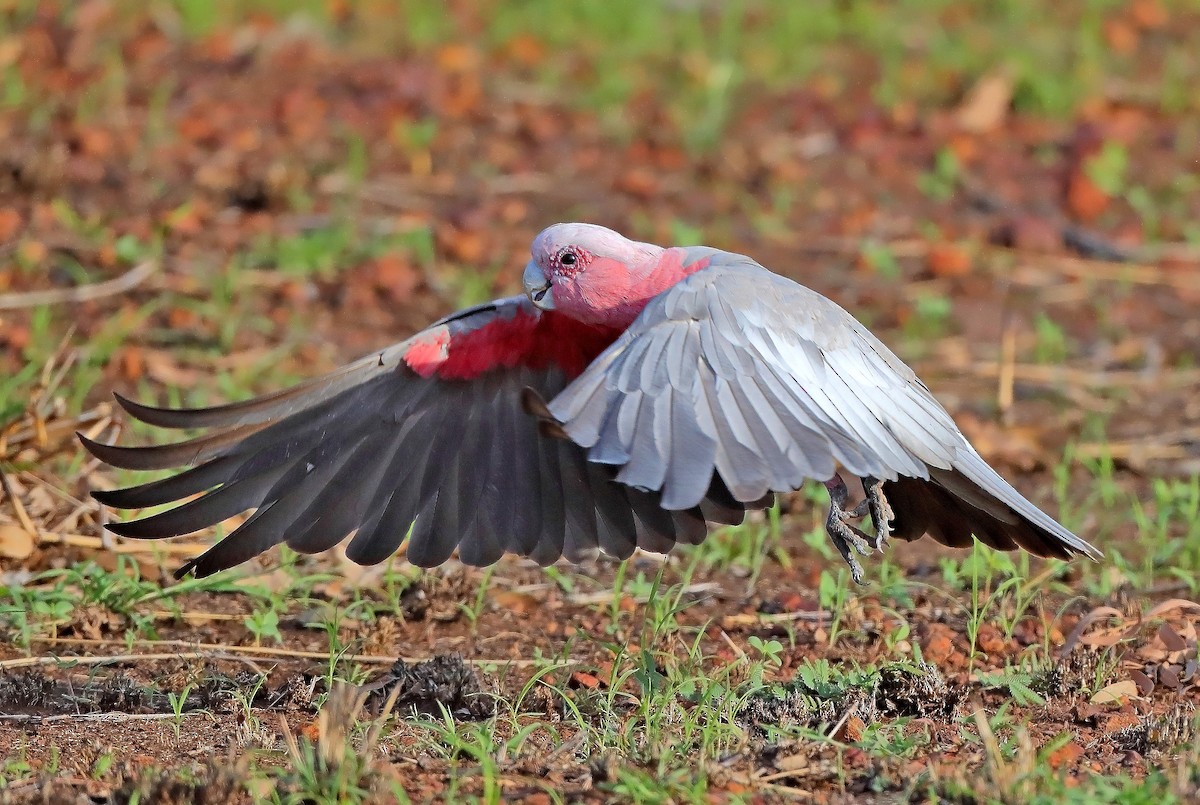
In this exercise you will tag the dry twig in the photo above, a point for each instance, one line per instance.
(80, 293)
(210, 650)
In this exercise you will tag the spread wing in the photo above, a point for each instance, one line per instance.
(428, 434)
(738, 370)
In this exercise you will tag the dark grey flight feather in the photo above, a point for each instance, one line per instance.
(376, 450)
(782, 383)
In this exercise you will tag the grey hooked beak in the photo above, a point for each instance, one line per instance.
(537, 287)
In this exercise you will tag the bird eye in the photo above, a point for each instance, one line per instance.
(567, 258)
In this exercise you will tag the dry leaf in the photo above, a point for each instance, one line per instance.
(1084, 197)
(1168, 677)
(1145, 684)
(948, 260)
(586, 680)
(15, 542)
(11, 223)
(1170, 605)
(1121, 36)
(39, 502)
(1148, 14)
(939, 643)
(1171, 638)
(311, 731)
(1065, 755)
(852, 730)
(515, 602)
(1114, 693)
(795, 762)
(1105, 638)
(986, 104)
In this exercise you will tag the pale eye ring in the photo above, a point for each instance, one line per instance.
(567, 258)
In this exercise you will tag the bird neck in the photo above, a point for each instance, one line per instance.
(672, 266)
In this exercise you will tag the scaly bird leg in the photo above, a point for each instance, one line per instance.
(880, 510)
(846, 538)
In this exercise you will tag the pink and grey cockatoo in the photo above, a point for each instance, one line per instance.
(633, 395)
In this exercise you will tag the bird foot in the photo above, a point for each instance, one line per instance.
(845, 537)
(877, 506)
(849, 539)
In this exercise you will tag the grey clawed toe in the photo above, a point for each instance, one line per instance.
(879, 509)
(849, 539)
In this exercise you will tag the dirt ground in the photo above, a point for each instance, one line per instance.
(285, 205)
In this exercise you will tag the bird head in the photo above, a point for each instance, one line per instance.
(592, 274)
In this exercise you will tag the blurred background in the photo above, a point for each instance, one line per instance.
(202, 200)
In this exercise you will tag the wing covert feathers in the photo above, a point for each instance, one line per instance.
(739, 374)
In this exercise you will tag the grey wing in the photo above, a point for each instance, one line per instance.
(377, 450)
(743, 372)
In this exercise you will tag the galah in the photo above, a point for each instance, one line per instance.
(633, 395)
